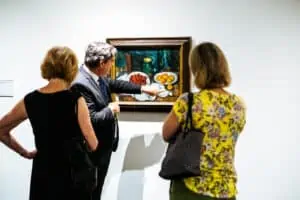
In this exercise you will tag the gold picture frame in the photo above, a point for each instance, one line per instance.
(161, 62)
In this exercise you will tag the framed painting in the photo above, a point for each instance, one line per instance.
(158, 62)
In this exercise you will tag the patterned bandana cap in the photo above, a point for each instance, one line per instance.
(98, 51)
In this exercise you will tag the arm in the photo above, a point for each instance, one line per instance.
(170, 126)
(243, 114)
(97, 116)
(10, 121)
(175, 118)
(85, 124)
(120, 86)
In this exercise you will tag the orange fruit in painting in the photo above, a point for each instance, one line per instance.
(170, 79)
(159, 78)
(169, 87)
(163, 81)
(165, 78)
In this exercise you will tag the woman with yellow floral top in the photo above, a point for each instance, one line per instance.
(220, 115)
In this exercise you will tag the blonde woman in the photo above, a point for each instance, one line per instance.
(220, 115)
(51, 112)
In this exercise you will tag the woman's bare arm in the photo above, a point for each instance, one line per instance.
(170, 126)
(10, 121)
(86, 125)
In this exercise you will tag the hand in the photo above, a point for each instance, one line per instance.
(114, 107)
(29, 154)
(149, 90)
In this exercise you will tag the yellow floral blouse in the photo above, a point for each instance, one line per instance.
(221, 117)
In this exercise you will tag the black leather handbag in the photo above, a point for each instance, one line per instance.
(182, 159)
(84, 174)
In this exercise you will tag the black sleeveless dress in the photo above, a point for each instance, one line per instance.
(53, 120)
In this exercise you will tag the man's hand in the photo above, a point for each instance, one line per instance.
(153, 91)
(29, 154)
(114, 107)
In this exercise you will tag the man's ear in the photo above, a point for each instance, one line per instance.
(101, 63)
(98, 69)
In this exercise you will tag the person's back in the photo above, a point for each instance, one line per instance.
(53, 120)
(52, 115)
(221, 117)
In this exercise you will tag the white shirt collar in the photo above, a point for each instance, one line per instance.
(93, 75)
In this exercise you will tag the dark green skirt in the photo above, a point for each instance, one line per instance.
(178, 191)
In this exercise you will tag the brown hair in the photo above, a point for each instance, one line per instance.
(209, 66)
(60, 62)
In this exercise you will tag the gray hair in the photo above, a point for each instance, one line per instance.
(98, 51)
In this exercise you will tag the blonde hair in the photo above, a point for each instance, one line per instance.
(209, 66)
(60, 62)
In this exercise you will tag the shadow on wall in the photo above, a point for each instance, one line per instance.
(142, 117)
(139, 156)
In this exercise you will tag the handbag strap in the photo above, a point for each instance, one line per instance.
(189, 116)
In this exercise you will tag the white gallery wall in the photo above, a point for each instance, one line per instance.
(260, 38)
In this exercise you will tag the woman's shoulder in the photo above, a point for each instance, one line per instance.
(31, 94)
(184, 96)
(76, 94)
(240, 101)
(237, 100)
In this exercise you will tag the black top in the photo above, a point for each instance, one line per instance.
(53, 120)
